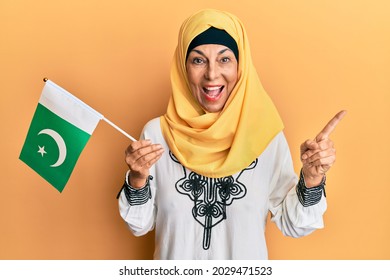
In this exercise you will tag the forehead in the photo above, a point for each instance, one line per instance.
(208, 49)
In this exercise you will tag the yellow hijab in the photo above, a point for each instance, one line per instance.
(218, 144)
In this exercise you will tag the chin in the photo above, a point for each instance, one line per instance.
(212, 109)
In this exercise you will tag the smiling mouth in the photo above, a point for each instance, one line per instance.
(213, 93)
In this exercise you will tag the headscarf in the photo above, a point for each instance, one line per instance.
(223, 143)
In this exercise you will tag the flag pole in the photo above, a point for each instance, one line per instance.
(110, 123)
(119, 129)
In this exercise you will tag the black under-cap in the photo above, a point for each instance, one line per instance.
(214, 36)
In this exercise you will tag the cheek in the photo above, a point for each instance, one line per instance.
(232, 79)
(195, 82)
(192, 76)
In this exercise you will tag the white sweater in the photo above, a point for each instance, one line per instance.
(196, 217)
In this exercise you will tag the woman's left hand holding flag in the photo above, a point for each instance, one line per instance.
(140, 156)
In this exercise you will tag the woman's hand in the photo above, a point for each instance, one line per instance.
(140, 156)
(319, 155)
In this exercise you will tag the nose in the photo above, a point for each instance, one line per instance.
(212, 71)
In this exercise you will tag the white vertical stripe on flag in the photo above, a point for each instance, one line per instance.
(69, 107)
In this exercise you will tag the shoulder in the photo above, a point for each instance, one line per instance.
(153, 124)
(278, 140)
(152, 130)
(278, 146)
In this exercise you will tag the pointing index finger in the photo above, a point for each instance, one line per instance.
(331, 125)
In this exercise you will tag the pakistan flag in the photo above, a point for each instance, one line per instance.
(59, 131)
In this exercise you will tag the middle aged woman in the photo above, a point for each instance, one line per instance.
(217, 162)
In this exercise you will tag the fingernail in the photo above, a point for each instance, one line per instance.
(304, 156)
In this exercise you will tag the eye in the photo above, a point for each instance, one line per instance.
(197, 60)
(225, 59)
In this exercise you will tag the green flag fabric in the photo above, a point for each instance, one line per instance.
(60, 129)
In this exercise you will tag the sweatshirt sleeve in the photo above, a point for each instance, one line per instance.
(296, 210)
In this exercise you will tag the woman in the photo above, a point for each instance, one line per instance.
(217, 162)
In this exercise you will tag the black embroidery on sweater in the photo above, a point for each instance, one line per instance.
(211, 197)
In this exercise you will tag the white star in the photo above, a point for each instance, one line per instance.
(41, 150)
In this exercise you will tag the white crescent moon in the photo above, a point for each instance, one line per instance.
(60, 143)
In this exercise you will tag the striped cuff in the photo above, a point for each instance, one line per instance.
(309, 196)
(137, 196)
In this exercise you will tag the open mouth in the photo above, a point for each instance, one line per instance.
(213, 93)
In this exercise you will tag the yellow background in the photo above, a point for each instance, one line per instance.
(314, 59)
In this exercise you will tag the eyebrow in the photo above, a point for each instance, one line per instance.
(220, 52)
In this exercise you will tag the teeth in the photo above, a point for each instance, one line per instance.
(213, 91)
(213, 88)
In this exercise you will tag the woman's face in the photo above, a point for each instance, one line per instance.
(212, 72)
